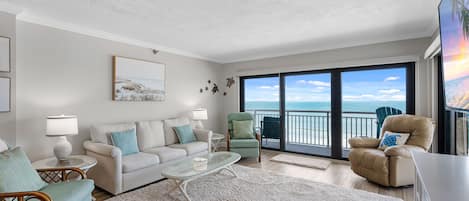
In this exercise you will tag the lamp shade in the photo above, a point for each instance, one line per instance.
(62, 125)
(199, 114)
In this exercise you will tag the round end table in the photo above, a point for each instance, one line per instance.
(76, 161)
(216, 139)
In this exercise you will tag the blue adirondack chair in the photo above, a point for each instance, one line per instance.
(270, 128)
(382, 113)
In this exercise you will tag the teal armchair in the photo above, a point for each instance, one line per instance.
(244, 147)
(25, 184)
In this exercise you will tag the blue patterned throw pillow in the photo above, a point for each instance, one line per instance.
(392, 139)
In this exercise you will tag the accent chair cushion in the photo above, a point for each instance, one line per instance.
(17, 174)
(102, 133)
(150, 134)
(192, 148)
(243, 129)
(138, 161)
(170, 134)
(185, 134)
(78, 190)
(166, 154)
(244, 143)
(393, 139)
(126, 141)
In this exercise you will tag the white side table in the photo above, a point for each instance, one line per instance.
(76, 161)
(216, 139)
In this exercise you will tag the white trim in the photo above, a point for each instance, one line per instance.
(434, 48)
(343, 64)
(105, 35)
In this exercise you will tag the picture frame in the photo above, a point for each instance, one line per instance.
(138, 80)
(5, 54)
(5, 94)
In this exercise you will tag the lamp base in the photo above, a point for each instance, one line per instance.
(62, 149)
(198, 124)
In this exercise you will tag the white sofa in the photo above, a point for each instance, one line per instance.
(158, 146)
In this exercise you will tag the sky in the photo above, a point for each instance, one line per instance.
(370, 85)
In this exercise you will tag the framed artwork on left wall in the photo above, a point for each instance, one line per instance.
(5, 92)
(5, 54)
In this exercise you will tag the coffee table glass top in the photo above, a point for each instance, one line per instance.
(184, 169)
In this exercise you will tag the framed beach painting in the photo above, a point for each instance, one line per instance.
(5, 94)
(4, 54)
(137, 80)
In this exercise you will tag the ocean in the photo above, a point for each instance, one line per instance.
(314, 128)
(347, 106)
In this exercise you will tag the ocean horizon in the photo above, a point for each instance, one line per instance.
(347, 106)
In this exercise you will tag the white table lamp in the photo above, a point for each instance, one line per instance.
(199, 115)
(62, 126)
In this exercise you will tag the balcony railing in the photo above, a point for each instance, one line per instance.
(313, 127)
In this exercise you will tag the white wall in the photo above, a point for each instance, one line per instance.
(391, 52)
(61, 72)
(8, 119)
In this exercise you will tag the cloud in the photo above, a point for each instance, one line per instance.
(318, 89)
(389, 91)
(269, 87)
(392, 78)
(314, 83)
(371, 97)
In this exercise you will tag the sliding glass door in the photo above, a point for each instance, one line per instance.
(307, 113)
(261, 98)
(363, 92)
(316, 112)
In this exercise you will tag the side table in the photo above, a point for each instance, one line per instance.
(216, 139)
(77, 161)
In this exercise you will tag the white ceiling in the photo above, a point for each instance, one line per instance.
(236, 30)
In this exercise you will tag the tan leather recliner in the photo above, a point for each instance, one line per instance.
(393, 166)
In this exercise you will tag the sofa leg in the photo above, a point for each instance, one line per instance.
(259, 159)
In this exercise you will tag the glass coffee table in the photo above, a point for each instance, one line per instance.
(183, 172)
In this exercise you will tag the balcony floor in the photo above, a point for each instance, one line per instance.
(301, 148)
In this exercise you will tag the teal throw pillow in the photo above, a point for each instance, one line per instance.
(243, 130)
(185, 134)
(17, 174)
(126, 141)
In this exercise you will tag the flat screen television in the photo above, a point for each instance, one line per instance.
(454, 34)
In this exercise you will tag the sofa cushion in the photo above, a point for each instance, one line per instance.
(166, 154)
(170, 134)
(370, 163)
(185, 134)
(126, 141)
(78, 190)
(192, 148)
(244, 143)
(150, 134)
(102, 133)
(138, 161)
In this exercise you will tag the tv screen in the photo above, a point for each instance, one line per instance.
(454, 32)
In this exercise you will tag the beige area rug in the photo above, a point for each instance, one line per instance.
(252, 184)
(302, 161)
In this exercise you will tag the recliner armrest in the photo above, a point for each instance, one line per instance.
(364, 142)
(103, 149)
(402, 150)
